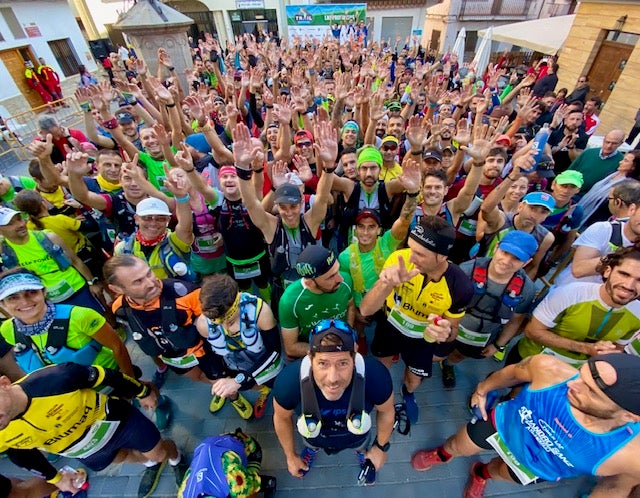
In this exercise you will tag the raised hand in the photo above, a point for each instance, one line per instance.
(196, 107)
(326, 145)
(410, 178)
(243, 148)
(416, 132)
(164, 138)
(140, 67)
(279, 172)
(77, 162)
(283, 110)
(302, 165)
(183, 158)
(397, 274)
(42, 149)
(176, 181)
(463, 133)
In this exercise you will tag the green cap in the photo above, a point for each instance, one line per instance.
(570, 177)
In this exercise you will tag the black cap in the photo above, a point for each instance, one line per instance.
(545, 166)
(288, 194)
(314, 261)
(432, 154)
(625, 391)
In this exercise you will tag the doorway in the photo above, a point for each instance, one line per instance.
(14, 62)
(607, 68)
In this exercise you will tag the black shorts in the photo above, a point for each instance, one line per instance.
(135, 432)
(446, 348)
(417, 354)
(514, 356)
(5, 486)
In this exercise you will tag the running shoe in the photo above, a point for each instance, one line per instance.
(448, 375)
(260, 406)
(150, 478)
(268, 485)
(413, 412)
(159, 378)
(216, 404)
(180, 469)
(425, 459)
(308, 456)
(367, 475)
(476, 484)
(243, 407)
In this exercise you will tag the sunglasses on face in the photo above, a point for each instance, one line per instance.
(303, 145)
(155, 217)
(389, 147)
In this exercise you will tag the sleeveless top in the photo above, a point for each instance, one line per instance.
(542, 433)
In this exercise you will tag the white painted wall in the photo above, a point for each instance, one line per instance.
(378, 14)
(55, 21)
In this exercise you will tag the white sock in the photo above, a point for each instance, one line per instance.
(175, 461)
(150, 463)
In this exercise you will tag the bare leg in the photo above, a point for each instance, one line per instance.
(460, 444)
(616, 487)
(386, 361)
(411, 381)
(166, 448)
(35, 487)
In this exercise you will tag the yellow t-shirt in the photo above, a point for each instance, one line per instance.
(65, 227)
(409, 305)
(388, 174)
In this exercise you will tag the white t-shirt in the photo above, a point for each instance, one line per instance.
(596, 236)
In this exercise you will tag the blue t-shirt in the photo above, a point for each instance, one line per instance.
(334, 434)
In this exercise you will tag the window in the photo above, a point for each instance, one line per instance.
(12, 21)
(65, 55)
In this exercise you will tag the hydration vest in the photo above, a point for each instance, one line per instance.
(171, 258)
(355, 265)
(615, 240)
(122, 215)
(246, 352)
(357, 420)
(279, 249)
(56, 351)
(166, 337)
(10, 258)
(352, 207)
(504, 305)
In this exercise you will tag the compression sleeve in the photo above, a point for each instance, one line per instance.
(33, 461)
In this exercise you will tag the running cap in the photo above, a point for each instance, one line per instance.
(625, 391)
(368, 213)
(6, 215)
(506, 139)
(389, 139)
(150, 206)
(570, 177)
(302, 135)
(370, 154)
(521, 244)
(18, 282)
(434, 154)
(198, 142)
(545, 166)
(440, 241)
(340, 329)
(288, 194)
(315, 261)
(540, 199)
(394, 106)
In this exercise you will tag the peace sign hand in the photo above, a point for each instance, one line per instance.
(396, 275)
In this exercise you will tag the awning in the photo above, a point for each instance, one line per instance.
(542, 35)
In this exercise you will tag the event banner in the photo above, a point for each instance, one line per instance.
(317, 20)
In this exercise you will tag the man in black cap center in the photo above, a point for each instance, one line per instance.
(322, 292)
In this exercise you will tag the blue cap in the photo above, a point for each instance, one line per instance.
(540, 199)
(521, 244)
(198, 142)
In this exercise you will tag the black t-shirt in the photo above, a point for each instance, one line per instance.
(334, 433)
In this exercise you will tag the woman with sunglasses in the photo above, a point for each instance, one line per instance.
(242, 330)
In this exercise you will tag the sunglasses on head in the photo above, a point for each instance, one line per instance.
(324, 325)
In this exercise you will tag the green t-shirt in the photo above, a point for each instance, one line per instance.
(83, 323)
(365, 264)
(155, 170)
(25, 181)
(301, 308)
(575, 311)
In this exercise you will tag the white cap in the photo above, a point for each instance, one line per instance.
(150, 206)
(6, 215)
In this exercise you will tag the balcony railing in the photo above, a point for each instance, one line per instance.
(494, 8)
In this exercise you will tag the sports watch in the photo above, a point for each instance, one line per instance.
(382, 447)
(240, 378)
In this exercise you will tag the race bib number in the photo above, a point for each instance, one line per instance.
(59, 292)
(406, 325)
(247, 271)
(207, 244)
(94, 440)
(269, 369)
(476, 339)
(183, 362)
(524, 474)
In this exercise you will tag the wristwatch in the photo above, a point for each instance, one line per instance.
(382, 447)
(240, 378)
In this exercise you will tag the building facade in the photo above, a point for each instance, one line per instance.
(603, 44)
(444, 21)
(32, 29)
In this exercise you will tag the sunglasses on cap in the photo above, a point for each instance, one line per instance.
(327, 324)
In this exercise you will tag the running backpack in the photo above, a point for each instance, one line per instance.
(10, 258)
